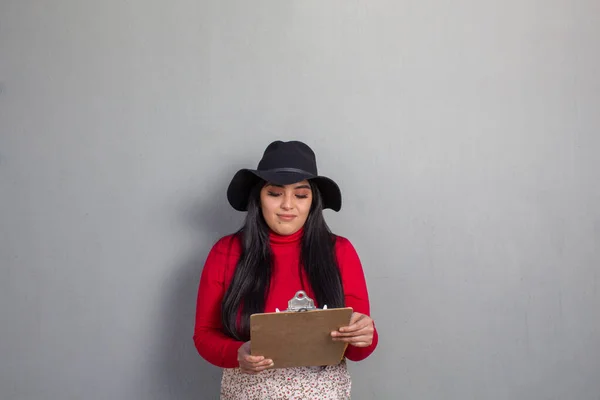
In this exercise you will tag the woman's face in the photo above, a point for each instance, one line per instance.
(286, 208)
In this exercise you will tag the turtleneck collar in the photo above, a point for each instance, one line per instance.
(294, 238)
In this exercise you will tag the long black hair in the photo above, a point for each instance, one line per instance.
(249, 286)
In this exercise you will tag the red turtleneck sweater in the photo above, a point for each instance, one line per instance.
(221, 350)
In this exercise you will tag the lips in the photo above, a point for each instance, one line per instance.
(286, 217)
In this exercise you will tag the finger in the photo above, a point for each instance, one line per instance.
(253, 368)
(354, 328)
(366, 330)
(361, 344)
(249, 364)
(355, 317)
(264, 367)
(359, 323)
(352, 338)
(253, 359)
(264, 363)
(358, 341)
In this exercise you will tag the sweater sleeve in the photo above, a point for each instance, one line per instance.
(210, 341)
(356, 293)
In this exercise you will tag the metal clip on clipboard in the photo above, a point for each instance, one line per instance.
(301, 302)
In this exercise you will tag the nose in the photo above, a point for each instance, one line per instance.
(286, 201)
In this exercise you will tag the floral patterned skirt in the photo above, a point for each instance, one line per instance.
(304, 383)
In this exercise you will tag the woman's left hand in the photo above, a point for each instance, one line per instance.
(358, 333)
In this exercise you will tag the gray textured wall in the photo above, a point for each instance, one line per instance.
(465, 136)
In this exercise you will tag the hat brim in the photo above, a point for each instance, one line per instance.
(244, 180)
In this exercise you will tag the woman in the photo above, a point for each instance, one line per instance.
(284, 246)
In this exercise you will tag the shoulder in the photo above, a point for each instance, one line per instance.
(342, 243)
(344, 247)
(221, 259)
(229, 245)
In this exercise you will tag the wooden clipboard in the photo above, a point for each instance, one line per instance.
(299, 336)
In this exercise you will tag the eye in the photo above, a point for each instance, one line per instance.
(302, 196)
(273, 194)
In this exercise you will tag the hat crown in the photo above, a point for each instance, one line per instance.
(289, 155)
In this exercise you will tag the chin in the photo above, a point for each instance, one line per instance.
(285, 230)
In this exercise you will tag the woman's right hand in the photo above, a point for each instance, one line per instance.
(252, 364)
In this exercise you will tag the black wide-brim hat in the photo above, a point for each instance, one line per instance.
(283, 163)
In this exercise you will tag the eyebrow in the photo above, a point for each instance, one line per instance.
(297, 187)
